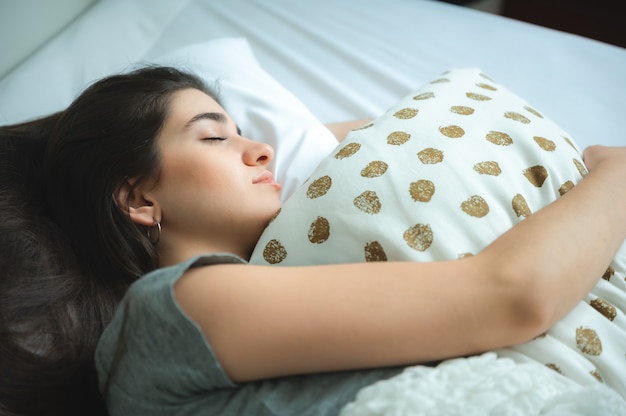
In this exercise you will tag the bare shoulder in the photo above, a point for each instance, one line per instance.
(341, 129)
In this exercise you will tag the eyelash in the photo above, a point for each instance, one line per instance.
(221, 138)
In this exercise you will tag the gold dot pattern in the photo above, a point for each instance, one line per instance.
(348, 150)
(475, 206)
(274, 252)
(430, 156)
(319, 230)
(461, 109)
(563, 189)
(419, 237)
(605, 308)
(608, 274)
(454, 132)
(374, 252)
(488, 168)
(424, 96)
(545, 144)
(439, 176)
(374, 169)
(422, 190)
(319, 187)
(368, 202)
(536, 175)
(367, 126)
(595, 374)
(554, 367)
(499, 138)
(520, 206)
(406, 113)
(486, 86)
(533, 111)
(397, 138)
(568, 141)
(517, 117)
(477, 97)
(588, 341)
(581, 168)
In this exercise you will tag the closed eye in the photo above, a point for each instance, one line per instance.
(210, 139)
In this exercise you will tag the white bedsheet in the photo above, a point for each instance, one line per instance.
(344, 60)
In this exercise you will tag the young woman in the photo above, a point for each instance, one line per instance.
(147, 179)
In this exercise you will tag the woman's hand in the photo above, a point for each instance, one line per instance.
(611, 163)
(596, 155)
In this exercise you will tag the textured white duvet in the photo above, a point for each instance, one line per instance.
(484, 385)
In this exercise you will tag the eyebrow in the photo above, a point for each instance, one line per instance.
(218, 117)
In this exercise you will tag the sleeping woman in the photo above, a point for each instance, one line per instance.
(151, 204)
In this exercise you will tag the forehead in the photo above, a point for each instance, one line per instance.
(184, 107)
(186, 104)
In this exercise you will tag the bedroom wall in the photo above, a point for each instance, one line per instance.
(27, 24)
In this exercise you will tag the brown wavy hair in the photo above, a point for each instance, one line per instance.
(68, 251)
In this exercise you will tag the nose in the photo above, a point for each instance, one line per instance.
(257, 153)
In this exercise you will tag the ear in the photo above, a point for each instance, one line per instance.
(138, 202)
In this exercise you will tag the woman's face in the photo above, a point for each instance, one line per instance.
(215, 191)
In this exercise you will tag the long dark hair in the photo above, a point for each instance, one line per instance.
(68, 249)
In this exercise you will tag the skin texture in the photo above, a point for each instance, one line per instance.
(336, 317)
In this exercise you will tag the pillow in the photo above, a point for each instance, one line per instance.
(439, 176)
(86, 49)
(264, 110)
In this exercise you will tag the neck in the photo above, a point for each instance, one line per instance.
(173, 252)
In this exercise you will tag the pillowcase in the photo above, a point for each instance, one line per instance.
(451, 165)
(439, 176)
(264, 110)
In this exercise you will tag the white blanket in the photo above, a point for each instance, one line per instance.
(481, 386)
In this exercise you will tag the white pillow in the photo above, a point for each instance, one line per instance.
(439, 176)
(443, 157)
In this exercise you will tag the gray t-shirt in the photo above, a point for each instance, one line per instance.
(156, 361)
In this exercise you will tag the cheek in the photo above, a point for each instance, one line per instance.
(183, 170)
(197, 178)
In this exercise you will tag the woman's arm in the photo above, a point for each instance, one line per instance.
(341, 130)
(267, 321)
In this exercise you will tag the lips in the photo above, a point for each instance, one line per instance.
(266, 178)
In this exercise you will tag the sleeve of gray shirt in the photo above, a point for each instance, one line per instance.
(154, 360)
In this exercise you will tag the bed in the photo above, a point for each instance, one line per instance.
(323, 62)
(327, 52)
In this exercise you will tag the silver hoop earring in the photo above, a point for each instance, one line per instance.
(158, 237)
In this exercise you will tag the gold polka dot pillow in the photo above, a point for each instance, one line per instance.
(440, 175)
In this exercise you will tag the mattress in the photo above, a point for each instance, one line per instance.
(344, 60)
